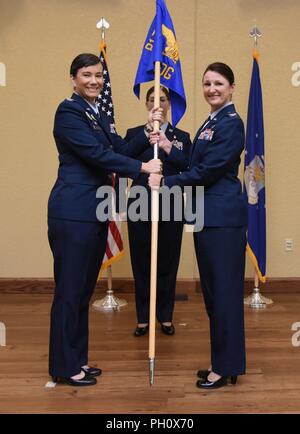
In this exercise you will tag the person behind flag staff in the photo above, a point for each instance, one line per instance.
(220, 246)
(88, 152)
(174, 159)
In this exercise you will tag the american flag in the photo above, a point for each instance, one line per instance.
(105, 102)
(114, 245)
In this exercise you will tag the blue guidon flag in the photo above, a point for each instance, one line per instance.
(254, 176)
(161, 45)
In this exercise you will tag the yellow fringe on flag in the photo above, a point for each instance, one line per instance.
(262, 278)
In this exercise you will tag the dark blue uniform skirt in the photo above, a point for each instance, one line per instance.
(78, 249)
(221, 260)
(169, 244)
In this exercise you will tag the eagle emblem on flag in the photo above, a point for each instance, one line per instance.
(254, 179)
(171, 50)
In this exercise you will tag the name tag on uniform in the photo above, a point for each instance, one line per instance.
(206, 134)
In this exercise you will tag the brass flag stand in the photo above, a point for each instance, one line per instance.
(110, 301)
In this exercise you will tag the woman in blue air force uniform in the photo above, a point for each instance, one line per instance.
(174, 160)
(220, 246)
(89, 151)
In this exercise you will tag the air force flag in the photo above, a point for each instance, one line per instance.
(254, 176)
(161, 45)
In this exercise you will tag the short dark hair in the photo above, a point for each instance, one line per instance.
(83, 60)
(151, 90)
(222, 69)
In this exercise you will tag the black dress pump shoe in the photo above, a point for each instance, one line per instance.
(85, 381)
(168, 330)
(203, 373)
(223, 381)
(93, 372)
(141, 331)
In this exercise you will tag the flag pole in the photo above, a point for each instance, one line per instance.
(103, 25)
(154, 240)
(110, 301)
(256, 300)
(160, 46)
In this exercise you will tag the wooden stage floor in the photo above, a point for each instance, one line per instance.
(272, 383)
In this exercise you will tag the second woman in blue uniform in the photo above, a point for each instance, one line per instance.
(175, 159)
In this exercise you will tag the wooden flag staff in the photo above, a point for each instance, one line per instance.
(154, 240)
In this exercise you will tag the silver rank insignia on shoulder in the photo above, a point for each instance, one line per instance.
(70, 99)
(232, 115)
